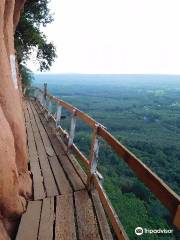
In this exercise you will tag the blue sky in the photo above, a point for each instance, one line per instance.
(115, 36)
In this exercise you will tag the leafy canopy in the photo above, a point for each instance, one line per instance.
(29, 37)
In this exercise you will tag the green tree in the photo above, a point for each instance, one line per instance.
(29, 37)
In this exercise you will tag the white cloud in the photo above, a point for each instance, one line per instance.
(116, 36)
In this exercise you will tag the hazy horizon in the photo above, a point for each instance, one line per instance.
(114, 80)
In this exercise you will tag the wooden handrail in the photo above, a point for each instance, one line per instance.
(155, 184)
(117, 226)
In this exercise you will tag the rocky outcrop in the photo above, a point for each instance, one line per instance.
(15, 182)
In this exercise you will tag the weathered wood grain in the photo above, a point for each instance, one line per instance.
(48, 177)
(103, 224)
(29, 225)
(45, 139)
(60, 177)
(38, 187)
(86, 220)
(65, 222)
(47, 220)
(71, 173)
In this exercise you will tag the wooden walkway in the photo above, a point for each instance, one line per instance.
(61, 207)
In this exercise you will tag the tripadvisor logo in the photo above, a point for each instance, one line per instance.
(139, 231)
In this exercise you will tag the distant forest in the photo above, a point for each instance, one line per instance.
(144, 116)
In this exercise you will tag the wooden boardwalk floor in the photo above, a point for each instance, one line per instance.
(61, 207)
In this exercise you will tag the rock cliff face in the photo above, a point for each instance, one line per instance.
(15, 182)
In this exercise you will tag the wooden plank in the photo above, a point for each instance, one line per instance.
(65, 222)
(71, 173)
(49, 181)
(29, 224)
(78, 168)
(47, 220)
(103, 224)
(45, 139)
(156, 185)
(61, 179)
(60, 147)
(51, 134)
(74, 162)
(74, 178)
(116, 224)
(38, 187)
(86, 220)
(74, 148)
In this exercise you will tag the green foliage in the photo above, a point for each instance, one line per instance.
(26, 75)
(134, 213)
(29, 38)
(37, 12)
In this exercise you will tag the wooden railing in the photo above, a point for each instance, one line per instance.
(156, 185)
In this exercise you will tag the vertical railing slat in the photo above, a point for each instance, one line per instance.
(72, 129)
(93, 161)
(58, 116)
(49, 108)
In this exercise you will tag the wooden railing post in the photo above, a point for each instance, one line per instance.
(72, 130)
(93, 161)
(45, 90)
(41, 98)
(58, 116)
(49, 108)
(45, 95)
